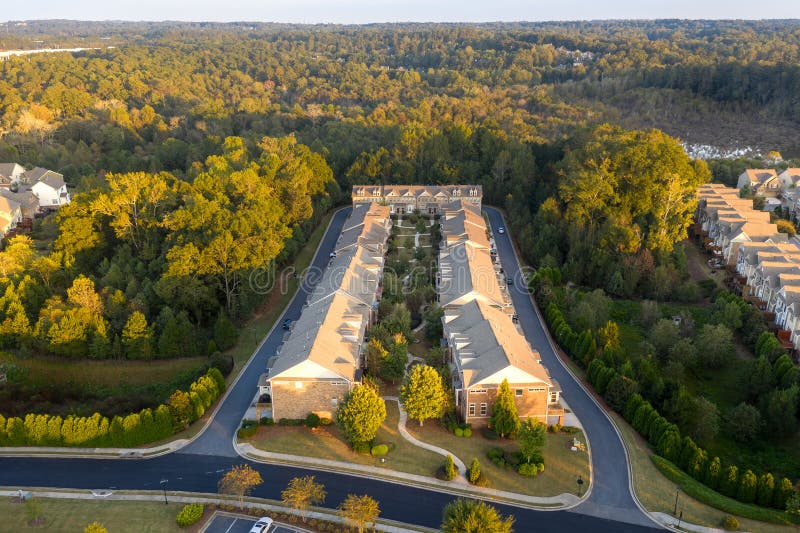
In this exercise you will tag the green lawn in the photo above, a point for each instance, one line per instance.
(108, 373)
(562, 466)
(75, 515)
(327, 443)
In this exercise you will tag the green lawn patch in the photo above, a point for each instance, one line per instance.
(327, 443)
(74, 515)
(562, 466)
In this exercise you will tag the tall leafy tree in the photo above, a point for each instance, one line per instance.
(474, 516)
(361, 415)
(302, 493)
(423, 395)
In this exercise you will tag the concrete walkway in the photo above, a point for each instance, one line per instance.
(401, 428)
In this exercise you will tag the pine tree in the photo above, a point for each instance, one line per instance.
(137, 337)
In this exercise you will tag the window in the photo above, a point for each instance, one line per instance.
(334, 401)
(483, 409)
(553, 397)
(536, 389)
(478, 391)
(298, 384)
(55, 201)
(517, 392)
(472, 409)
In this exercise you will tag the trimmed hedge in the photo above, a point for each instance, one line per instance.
(190, 514)
(132, 430)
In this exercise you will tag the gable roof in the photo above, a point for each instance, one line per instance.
(488, 345)
(43, 175)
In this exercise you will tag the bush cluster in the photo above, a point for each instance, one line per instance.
(530, 469)
(190, 514)
(379, 450)
(147, 425)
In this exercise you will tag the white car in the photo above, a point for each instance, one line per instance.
(262, 526)
(501, 230)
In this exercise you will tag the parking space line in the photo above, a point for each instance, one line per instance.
(231, 526)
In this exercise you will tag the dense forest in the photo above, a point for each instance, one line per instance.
(173, 135)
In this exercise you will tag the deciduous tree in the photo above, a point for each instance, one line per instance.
(423, 394)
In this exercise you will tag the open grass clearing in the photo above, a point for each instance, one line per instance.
(562, 466)
(108, 373)
(74, 515)
(327, 443)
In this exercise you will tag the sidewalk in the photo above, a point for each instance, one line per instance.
(98, 453)
(401, 428)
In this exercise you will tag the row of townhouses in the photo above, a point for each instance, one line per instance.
(23, 193)
(484, 343)
(778, 189)
(764, 263)
(423, 199)
(321, 360)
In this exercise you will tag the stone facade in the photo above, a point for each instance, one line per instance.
(296, 399)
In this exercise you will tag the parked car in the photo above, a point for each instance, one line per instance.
(262, 526)
(501, 230)
(286, 324)
(509, 281)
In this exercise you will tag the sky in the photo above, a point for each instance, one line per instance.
(366, 11)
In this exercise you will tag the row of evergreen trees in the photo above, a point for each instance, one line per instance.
(147, 425)
(664, 436)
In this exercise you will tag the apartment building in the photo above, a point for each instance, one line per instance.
(484, 344)
(322, 358)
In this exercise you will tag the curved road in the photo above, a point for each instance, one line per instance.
(198, 466)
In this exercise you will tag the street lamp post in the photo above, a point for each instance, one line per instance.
(164, 488)
(580, 485)
(677, 492)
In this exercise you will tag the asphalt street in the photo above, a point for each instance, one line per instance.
(610, 497)
(199, 466)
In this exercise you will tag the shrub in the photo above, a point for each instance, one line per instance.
(325, 421)
(362, 448)
(291, 421)
(190, 514)
(248, 429)
(729, 523)
(458, 432)
(380, 449)
(223, 363)
(449, 471)
(529, 469)
(467, 432)
(497, 456)
(312, 420)
(474, 471)
(266, 421)
(489, 434)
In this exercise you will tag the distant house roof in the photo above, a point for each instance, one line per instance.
(760, 175)
(26, 199)
(11, 170)
(43, 175)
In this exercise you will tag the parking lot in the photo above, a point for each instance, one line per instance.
(228, 523)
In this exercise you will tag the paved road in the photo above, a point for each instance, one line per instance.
(199, 466)
(610, 495)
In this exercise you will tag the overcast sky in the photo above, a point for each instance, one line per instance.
(363, 11)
